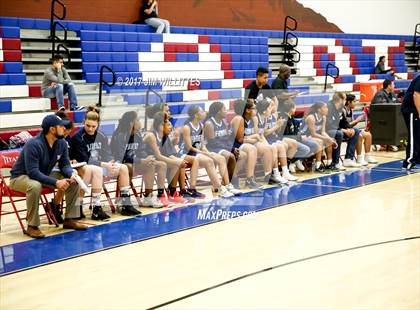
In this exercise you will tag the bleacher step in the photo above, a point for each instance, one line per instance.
(41, 71)
(46, 60)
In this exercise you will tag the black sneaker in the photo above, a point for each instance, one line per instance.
(57, 212)
(82, 215)
(250, 183)
(321, 169)
(197, 194)
(333, 168)
(129, 210)
(61, 108)
(98, 214)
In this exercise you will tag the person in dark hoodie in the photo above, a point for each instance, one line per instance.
(91, 145)
(128, 148)
(339, 128)
(34, 169)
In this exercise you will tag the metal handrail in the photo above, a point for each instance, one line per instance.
(327, 74)
(102, 81)
(53, 14)
(286, 27)
(417, 48)
(55, 38)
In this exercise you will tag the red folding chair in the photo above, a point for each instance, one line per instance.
(7, 160)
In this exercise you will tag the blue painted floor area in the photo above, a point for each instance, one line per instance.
(33, 253)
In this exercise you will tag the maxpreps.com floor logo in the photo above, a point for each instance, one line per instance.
(211, 214)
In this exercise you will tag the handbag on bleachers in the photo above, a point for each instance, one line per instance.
(19, 139)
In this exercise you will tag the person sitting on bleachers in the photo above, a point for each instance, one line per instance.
(339, 129)
(313, 128)
(385, 94)
(365, 136)
(160, 145)
(90, 174)
(57, 82)
(218, 135)
(281, 86)
(149, 15)
(305, 147)
(243, 109)
(34, 169)
(128, 148)
(380, 68)
(270, 128)
(259, 89)
(90, 145)
(192, 144)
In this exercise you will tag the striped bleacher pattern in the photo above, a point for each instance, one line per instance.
(224, 60)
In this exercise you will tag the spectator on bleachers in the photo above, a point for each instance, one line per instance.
(270, 128)
(243, 110)
(34, 169)
(90, 145)
(305, 148)
(90, 174)
(410, 109)
(259, 89)
(149, 15)
(339, 129)
(280, 85)
(56, 83)
(365, 137)
(128, 148)
(252, 136)
(161, 146)
(192, 144)
(385, 94)
(380, 68)
(313, 128)
(218, 135)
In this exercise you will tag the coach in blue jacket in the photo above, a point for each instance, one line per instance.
(34, 169)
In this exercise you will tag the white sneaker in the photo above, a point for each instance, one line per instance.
(371, 160)
(376, 147)
(351, 163)
(340, 167)
(292, 168)
(361, 160)
(394, 148)
(279, 178)
(151, 201)
(299, 165)
(223, 192)
(289, 176)
(232, 189)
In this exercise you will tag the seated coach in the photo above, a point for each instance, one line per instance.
(33, 170)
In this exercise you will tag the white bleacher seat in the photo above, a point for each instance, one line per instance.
(14, 91)
(31, 104)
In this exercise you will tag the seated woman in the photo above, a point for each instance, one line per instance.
(128, 148)
(380, 68)
(365, 136)
(305, 149)
(270, 127)
(162, 148)
(148, 14)
(313, 128)
(219, 142)
(192, 144)
(91, 145)
(90, 174)
(245, 128)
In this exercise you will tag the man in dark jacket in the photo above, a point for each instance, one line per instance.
(338, 128)
(385, 94)
(34, 169)
(410, 109)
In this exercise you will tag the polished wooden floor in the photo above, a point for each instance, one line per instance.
(373, 268)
